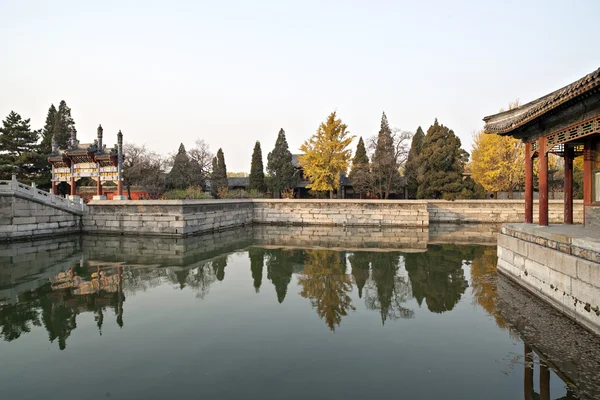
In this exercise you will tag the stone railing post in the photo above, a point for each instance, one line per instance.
(14, 182)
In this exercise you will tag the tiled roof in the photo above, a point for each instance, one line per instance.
(238, 182)
(507, 121)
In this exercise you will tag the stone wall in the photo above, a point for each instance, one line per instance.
(165, 218)
(346, 238)
(558, 268)
(188, 217)
(22, 218)
(341, 212)
(496, 211)
(592, 216)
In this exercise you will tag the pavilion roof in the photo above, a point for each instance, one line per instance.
(508, 121)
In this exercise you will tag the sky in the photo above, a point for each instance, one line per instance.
(233, 72)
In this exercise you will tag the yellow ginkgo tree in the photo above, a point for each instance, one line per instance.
(326, 155)
(498, 162)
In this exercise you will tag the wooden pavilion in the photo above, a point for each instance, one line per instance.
(565, 122)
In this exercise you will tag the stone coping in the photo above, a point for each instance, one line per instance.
(310, 201)
(576, 240)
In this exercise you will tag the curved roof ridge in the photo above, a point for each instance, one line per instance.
(507, 121)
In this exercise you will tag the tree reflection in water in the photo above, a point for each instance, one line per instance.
(257, 263)
(280, 266)
(386, 290)
(437, 275)
(327, 286)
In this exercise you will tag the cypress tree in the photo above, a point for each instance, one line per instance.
(257, 175)
(179, 176)
(279, 166)
(360, 167)
(441, 164)
(64, 125)
(213, 177)
(48, 131)
(219, 174)
(412, 162)
(384, 166)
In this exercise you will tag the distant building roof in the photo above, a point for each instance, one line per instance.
(296, 160)
(239, 182)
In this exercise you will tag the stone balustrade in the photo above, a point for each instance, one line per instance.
(16, 188)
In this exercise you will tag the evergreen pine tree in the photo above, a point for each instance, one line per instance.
(412, 162)
(20, 153)
(179, 176)
(384, 167)
(257, 175)
(441, 164)
(279, 166)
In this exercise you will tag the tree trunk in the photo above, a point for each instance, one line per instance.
(331, 194)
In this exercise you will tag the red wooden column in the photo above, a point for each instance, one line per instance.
(54, 188)
(73, 187)
(99, 187)
(543, 195)
(544, 382)
(528, 184)
(568, 184)
(588, 166)
(528, 374)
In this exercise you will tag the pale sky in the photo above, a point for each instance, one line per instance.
(233, 72)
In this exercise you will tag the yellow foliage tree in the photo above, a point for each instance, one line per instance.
(498, 162)
(326, 155)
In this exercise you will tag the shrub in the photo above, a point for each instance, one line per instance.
(191, 193)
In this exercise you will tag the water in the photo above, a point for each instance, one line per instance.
(260, 314)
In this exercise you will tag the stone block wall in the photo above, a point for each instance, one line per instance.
(341, 212)
(496, 211)
(568, 282)
(24, 218)
(164, 251)
(350, 238)
(165, 218)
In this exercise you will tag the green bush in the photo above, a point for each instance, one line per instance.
(191, 193)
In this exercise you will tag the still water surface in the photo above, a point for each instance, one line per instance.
(231, 317)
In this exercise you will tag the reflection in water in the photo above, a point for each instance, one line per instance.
(386, 291)
(391, 284)
(437, 275)
(257, 263)
(326, 284)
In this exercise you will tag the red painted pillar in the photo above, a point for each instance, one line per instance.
(568, 185)
(528, 184)
(528, 374)
(54, 188)
(99, 188)
(544, 382)
(73, 187)
(543, 195)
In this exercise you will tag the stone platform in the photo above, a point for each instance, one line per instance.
(559, 263)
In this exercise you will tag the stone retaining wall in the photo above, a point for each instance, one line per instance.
(496, 211)
(24, 218)
(349, 238)
(165, 218)
(341, 212)
(555, 269)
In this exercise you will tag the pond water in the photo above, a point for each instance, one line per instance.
(249, 314)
